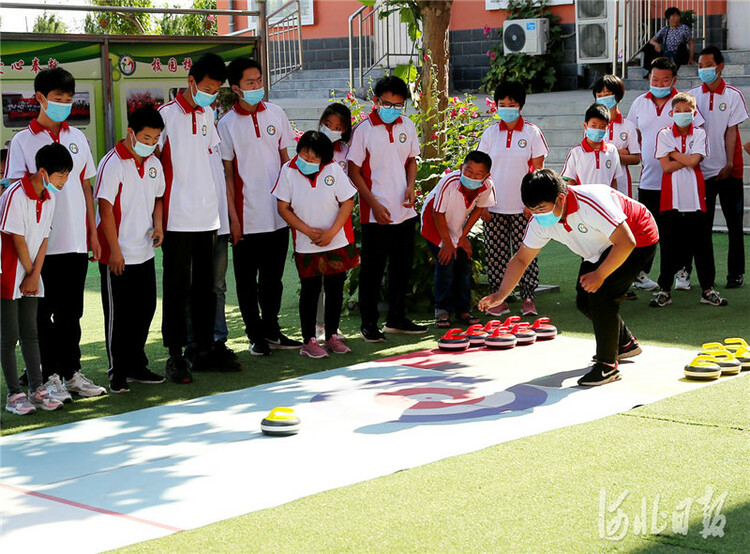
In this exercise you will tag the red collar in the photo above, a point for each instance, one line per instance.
(571, 207)
(518, 127)
(618, 118)
(37, 127)
(186, 105)
(28, 188)
(375, 119)
(676, 130)
(719, 89)
(587, 148)
(654, 98)
(312, 178)
(242, 111)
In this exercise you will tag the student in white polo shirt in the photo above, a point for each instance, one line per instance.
(26, 213)
(595, 160)
(73, 233)
(516, 147)
(191, 219)
(448, 214)
(383, 167)
(723, 108)
(130, 187)
(685, 229)
(316, 198)
(615, 236)
(254, 137)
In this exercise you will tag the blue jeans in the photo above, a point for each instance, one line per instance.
(221, 256)
(452, 283)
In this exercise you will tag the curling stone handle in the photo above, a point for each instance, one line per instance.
(276, 413)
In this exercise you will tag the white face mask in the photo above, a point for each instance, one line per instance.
(331, 134)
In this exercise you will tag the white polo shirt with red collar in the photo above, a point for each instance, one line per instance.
(340, 153)
(190, 202)
(315, 200)
(683, 190)
(252, 142)
(721, 108)
(622, 133)
(382, 151)
(217, 168)
(132, 191)
(24, 213)
(69, 225)
(451, 198)
(593, 212)
(589, 166)
(511, 151)
(649, 120)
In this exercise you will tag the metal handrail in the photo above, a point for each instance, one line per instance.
(286, 60)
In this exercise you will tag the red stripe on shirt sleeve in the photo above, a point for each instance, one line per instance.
(601, 210)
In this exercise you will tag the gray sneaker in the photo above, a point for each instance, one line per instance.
(83, 386)
(18, 404)
(57, 389)
(43, 401)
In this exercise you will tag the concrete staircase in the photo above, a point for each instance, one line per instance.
(316, 84)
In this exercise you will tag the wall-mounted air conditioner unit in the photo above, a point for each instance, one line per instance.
(526, 36)
(595, 28)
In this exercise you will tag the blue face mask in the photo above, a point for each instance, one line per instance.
(389, 115)
(253, 97)
(49, 186)
(660, 92)
(143, 150)
(595, 135)
(203, 99)
(306, 167)
(683, 119)
(471, 184)
(58, 111)
(547, 219)
(608, 102)
(707, 74)
(509, 115)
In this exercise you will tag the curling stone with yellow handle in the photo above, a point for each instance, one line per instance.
(743, 355)
(727, 362)
(281, 422)
(735, 343)
(702, 368)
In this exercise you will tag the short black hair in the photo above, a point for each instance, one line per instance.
(392, 84)
(596, 111)
(341, 110)
(209, 65)
(713, 51)
(145, 116)
(3, 154)
(511, 89)
(479, 157)
(612, 83)
(54, 158)
(237, 68)
(664, 63)
(542, 185)
(318, 144)
(57, 78)
(669, 12)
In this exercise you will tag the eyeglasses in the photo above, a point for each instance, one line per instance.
(389, 105)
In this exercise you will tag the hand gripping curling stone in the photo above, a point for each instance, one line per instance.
(454, 340)
(735, 343)
(500, 339)
(544, 329)
(281, 422)
(703, 368)
(524, 334)
(476, 334)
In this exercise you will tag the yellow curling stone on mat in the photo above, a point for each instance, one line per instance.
(728, 363)
(281, 422)
(703, 368)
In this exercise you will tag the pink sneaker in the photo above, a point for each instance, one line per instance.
(42, 400)
(335, 345)
(528, 307)
(500, 309)
(19, 404)
(313, 350)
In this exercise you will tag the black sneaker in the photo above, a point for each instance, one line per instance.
(600, 374)
(282, 342)
(177, 371)
(629, 350)
(735, 281)
(405, 327)
(221, 352)
(260, 348)
(630, 295)
(144, 375)
(713, 298)
(118, 384)
(371, 333)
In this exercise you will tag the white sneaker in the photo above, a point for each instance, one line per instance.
(644, 282)
(57, 390)
(320, 333)
(43, 401)
(83, 386)
(682, 280)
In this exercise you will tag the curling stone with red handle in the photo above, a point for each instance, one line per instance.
(544, 329)
(500, 339)
(491, 324)
(454, 340)
(476, 334)
(524, 334)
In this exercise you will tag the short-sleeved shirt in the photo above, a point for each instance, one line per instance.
(132, 191)
(593, 212)
(190, 202)
(382, 151)
(451, 198)
(24, 213)
(722, 108)
(684, 189)
(511, 151)
(69, 229)
(649, 119)
(588, 166)
(340, 153)
(673, 38)
(252, 142)
(316, 202)
(623, 134)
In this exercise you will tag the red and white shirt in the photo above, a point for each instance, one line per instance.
(252, 142)
(316, 202)
(382, 151)
(682, 190)
(722, 108)
(69, 224)
(649, 119)
(132, 190)
(511, 151)
(592, 166)
(217, 168)
(451, 198)
(190, 202)
(593, 212)
(340, 153)
(623, 134)
(22, 212)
